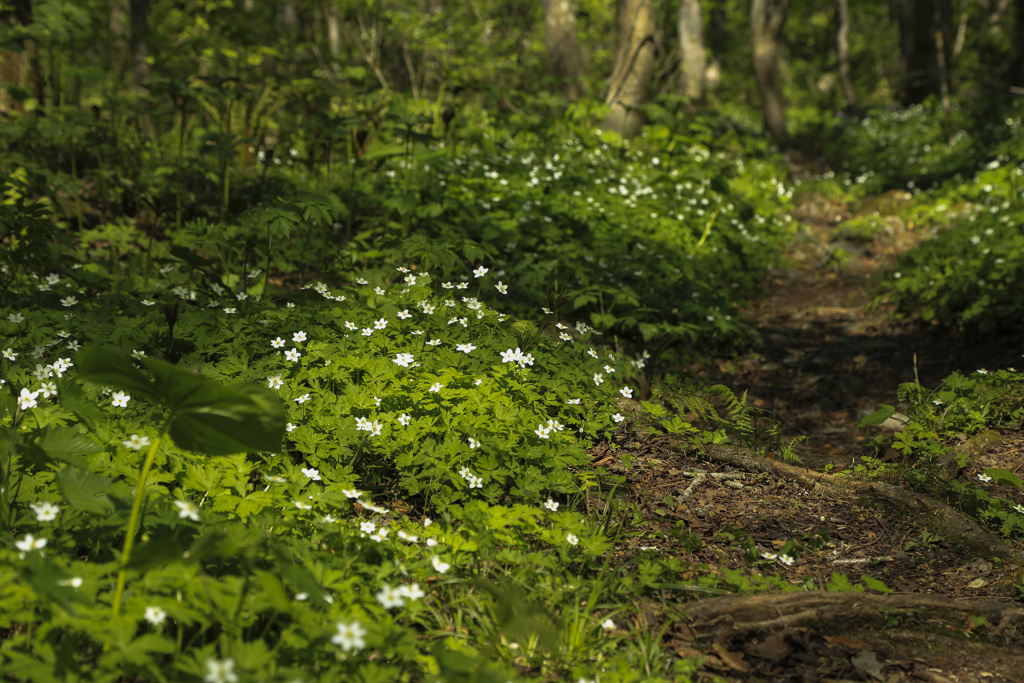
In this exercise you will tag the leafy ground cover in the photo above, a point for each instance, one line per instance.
(397, 394)
(651, 241)
(424, 459)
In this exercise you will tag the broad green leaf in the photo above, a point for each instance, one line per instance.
(160, 550)
(68, 444)
(114, 369)
(205, 416)
(380, 150)
(73, 398)
(29, 450)
(84, 490)
(210, 418)
(878, 417)
(273, 591)
(1005, 477)
(190, 257)
(47, 580)
(139, 650)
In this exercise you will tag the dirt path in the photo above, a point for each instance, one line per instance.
(824, 361)
(932, 596)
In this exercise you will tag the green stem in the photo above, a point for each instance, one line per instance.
(133, 522)
(266, 272)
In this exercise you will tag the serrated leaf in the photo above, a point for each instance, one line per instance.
(877, 417)
(874, 584)
(84, 490)
(839, 583)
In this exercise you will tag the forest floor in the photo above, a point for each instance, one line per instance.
(954, 612)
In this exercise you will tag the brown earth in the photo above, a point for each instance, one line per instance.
(953, 610)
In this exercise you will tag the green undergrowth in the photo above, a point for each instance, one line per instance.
(956, 184)
(941, 445)
(204, 480)
(654, 240)
(967, 275)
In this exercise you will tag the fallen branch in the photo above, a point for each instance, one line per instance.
(863, 560)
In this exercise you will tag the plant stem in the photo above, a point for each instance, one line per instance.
(133, 521)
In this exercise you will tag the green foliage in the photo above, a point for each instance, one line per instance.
(909, 147)
(958, 407)
(269, 551)
(714, 414)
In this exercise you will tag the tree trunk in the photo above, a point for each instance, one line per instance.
(1017, 63)
(767, 19)
(565, 61)
(288, 16)
(691, 45)
(19, 67)
(718, 36)
(332, 17)
(140, 42)
(118, 48)
(843, 51)
(921, 23)
(634, 64)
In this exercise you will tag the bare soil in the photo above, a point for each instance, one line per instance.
(955, 610)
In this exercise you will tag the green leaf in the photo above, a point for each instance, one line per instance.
(381, 150)
(878, 417)
(68, 444)
(84, 490)
(1005, 477)
(205, 416)
(73, 398)
(190, 257)
(47, 580)
(874, 584)
(273, 591)
(161, 550)
(210, 418)
(841, 584)
(114, 369)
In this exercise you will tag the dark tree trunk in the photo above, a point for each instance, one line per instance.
(767, 19)
(1017, 64)
(634, 64)
(140, 42)
(565, 61)
(925, 31)
(691, 46)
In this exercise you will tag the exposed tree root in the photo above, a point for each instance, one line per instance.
(724, 617)
(959, 530)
